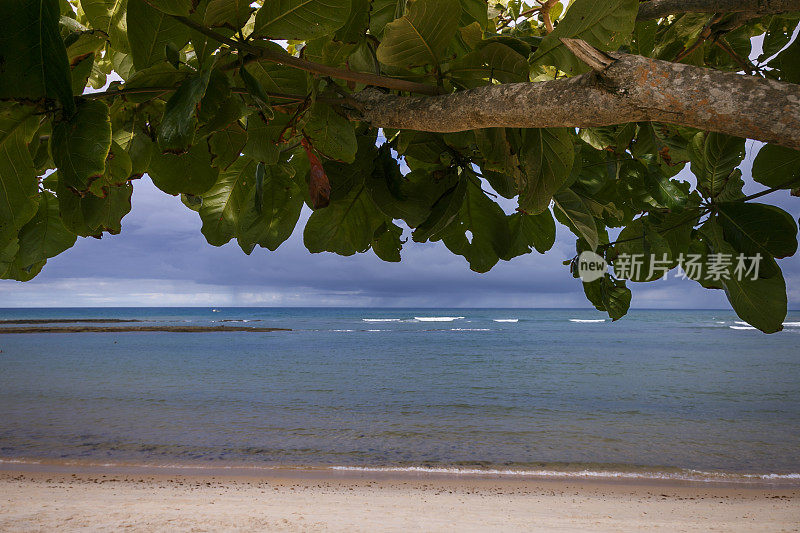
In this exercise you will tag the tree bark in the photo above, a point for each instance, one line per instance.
(655, 9)
(621, 88)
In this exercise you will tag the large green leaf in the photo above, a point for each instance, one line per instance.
(606, 25)
(760, 302)
(609, 295)
(546, 157)
(570, 210)
(224, 202)
(45, 235)
(109, 16)
(714, 156)
(758, 228)
(271, 211)
(646, 254)
(777, 166)
(421, 36)
(301, 19)
(346, 226)
(33, 57)
(232, 14)
(494, 61)
(174, 7)
(92, 215)
(150, 31)
(18, 183)
(179, 123)
(387, 242)
(190, 173)
(81, 144)
(530, 231)
(444, 212)
(331, 133)
(489, 238)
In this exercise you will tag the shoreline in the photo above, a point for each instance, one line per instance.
(308, 500)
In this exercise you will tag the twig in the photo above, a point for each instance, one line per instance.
(262, 54)
(545, 11)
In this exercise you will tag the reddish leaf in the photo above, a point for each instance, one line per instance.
(319, 188)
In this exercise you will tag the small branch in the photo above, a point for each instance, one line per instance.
(781, 187)
(545, 10)
(741, 62)
(702, 38)
(262, 54)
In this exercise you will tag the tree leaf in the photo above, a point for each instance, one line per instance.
(227, 145)
(494, 61)
(758, 228)
(714, 156)
(387, 243)
(190, 173)
(546, 157)
(225, 201)
(331, 134)
(301, 19)
(346, 226)
(443, 212)
(609, 295)
(92, 215)
(421, 36)
(777, 166)
(174, 7)
(109, 17)
(149, 33)
(232, 14)
(18, 183)
(604, 25)
(177, 130)
(260, 143)
(271, 214)
(32, 53)
(644, 246)
(530, 231)
(45, 235)
(81, 144)
(571, 211)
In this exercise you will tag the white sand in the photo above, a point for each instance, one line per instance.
(94, 502)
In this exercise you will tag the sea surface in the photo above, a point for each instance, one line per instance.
(684, 394)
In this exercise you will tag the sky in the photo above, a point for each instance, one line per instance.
(162, 259)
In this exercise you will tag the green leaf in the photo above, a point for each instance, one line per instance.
(260, 143)
(174, 7)
(486, 222)
(331, 133)
(443, 212)
(232, 14)
(387, 243)
(149, 33)
(546, 158)
(421, 36)
(347, 226)
(758, 228)
(570, 210)
(714, 156)
(604, 25)
(494, 61)
(190, 173)
(301, 19)
(777, 166)
(381, 13)
(276, 78)
(609, 295)
(645, 247)
(45, 235)
(227, 145)
(18, 183)
(788, 63)
(224, 202)
(109, 17)
(81, 144)
(270, 214)
(530, 231)
(92, 215)
(177, 129)
(32, 53)
(357, 23)
(760, 302)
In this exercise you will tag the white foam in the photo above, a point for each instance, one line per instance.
(506, 319)
(375, 330)
(342, 330)
(381, 319)
(586, 321)
(470, 329)
(741, 327)
(792, 324)
(437, 318)
(687, 475)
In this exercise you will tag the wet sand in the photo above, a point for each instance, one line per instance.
(134, 329)
(316, 500)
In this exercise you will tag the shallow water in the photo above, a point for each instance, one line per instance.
(507, 390)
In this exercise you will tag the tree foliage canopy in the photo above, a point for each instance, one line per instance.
(249, 110)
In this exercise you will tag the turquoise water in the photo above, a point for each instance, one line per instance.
(520, 390)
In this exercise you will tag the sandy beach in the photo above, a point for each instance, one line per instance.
(316, 500)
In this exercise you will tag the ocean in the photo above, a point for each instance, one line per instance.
(675, 394)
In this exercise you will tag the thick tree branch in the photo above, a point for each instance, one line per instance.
(623, 88)
(656, 9)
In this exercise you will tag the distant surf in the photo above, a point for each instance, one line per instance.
(437, 318)
(586, 320)
(506, 319)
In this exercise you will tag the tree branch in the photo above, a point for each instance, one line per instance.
(262, 54)
(656, 9)
(623, 88)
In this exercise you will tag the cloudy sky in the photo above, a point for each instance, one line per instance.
(162, 259)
